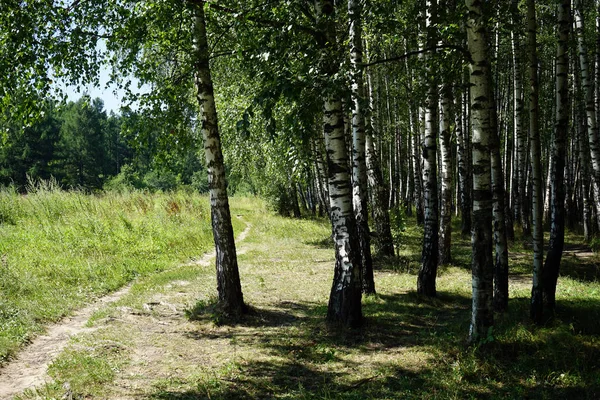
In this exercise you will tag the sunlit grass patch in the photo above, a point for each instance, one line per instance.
(409, 347)
(60, 249)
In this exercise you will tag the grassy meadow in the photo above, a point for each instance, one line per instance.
(60, 249)
(161, 340)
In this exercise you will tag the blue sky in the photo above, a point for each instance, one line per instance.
(112, 100)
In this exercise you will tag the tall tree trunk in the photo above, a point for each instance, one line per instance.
(521, 206)
(418, 171)
(547, 190)
(345, 299)
(445, 256)
(384, 244)
(536, 167)
(464, 167)
(597, 61)
(508, 168)
(429, 259)
(320, 174)
(390, 156)
(590, 106)
(501, 262)
(508, 217)
(559, 154)
(231, 301)
(584, 157)
(359, 167)
(410, 176)
(482, 104)
(294, 198)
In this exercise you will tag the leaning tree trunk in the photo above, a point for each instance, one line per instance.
(345, 298)
(536, 167)
(231, 301)
(559, 155)
(359, 167)
(429, 258)
(482, 318)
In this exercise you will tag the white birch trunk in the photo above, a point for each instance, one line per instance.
(500, 243)
(482, 318)
(559, 155)
(359, 167)
(384, 244)
(445, 254)
(229, 289)
(536, 167)
(463, 171)
(521, 205)
(590, 106)
(345, 297)
(426, 282)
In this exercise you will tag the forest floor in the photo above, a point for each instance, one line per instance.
(157, 338)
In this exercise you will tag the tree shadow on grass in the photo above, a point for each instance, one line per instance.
(290, 380)
(580, 263)
(296, 355)
(322, 243)
(391, 321)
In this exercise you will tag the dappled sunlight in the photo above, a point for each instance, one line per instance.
(169, 341)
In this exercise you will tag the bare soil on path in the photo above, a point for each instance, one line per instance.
(578, 261)
(29, 369)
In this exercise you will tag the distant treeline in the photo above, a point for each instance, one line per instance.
(81, 146)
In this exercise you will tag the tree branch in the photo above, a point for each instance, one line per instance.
(461, 49)
(262, 21)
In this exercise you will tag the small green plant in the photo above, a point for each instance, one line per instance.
(206, 309)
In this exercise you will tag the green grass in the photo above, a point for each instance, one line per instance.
(410, 347)
(59, 249)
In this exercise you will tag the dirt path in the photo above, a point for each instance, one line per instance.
(578, 254)
(29, 369)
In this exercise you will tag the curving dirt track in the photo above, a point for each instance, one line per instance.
(29, 369)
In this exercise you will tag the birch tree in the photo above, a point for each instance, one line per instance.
(429, 259)
(482, 315)
(559, 154)
(521, 205)
(536, 166)
(228, 281)
(359, 167)
(464, 166)
(345, 298)
(384, 244)
(445, 255)
(590, 106)
(500, 243)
